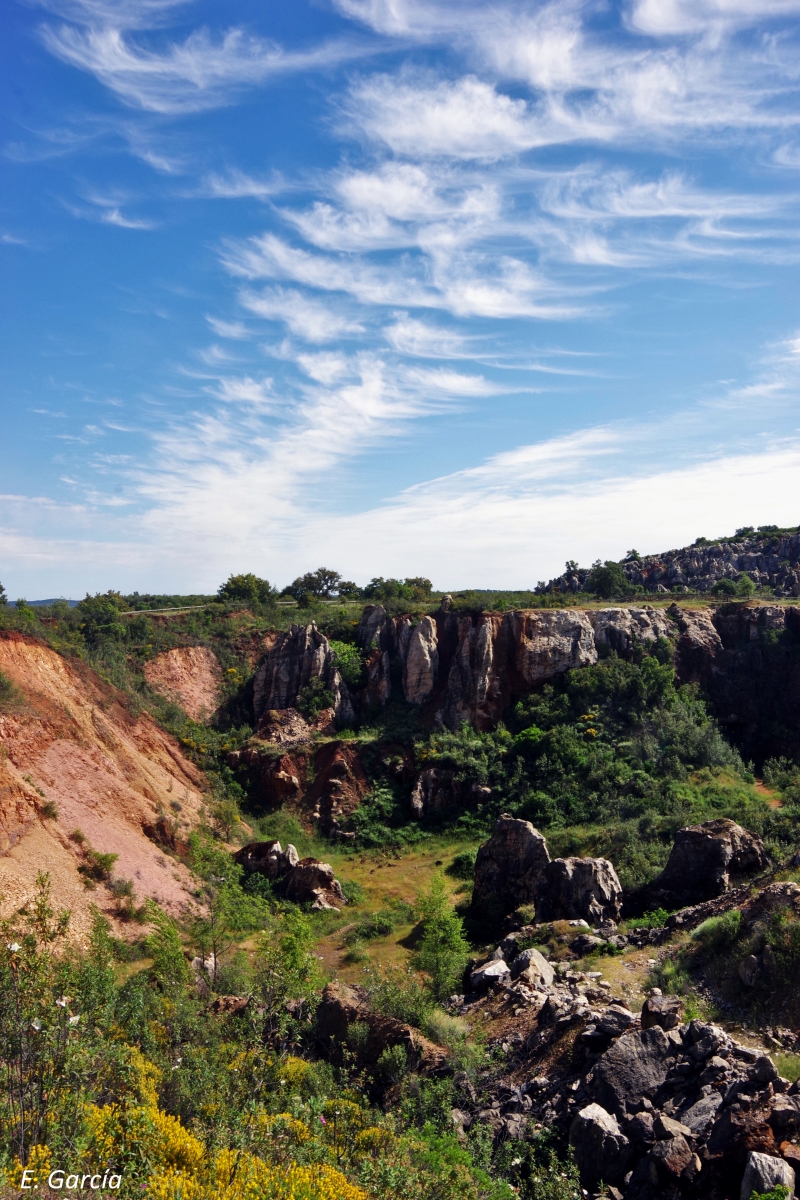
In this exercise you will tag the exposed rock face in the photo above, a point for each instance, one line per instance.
(634, 1066)
(510, 867)
(340, 784)
(343, 1006)
(703, 859)
(421, 665)
(297, 657)
(585, 888)
(601, 1149)
(472, 666)
(268, 858)
(514, 868)
(665, 1011)
(191, 675)
(73, 743)
(770, 560)
(432, 792)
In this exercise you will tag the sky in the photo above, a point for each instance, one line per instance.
(397, 287)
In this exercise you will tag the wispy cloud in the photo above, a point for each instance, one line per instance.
(305, 316)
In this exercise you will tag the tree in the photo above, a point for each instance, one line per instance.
(3, 596)
(724, 587)
(285, 968)
(347, 590)
(322, 583)
(247, 588)
(100, 617)
(745, 586)
(633, 556)
(442, 950)
(607, 580)
(572, 566)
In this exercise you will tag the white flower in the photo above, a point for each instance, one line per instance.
(12, 946)
(62, 1003)
(74, 1020)
(36, 1024)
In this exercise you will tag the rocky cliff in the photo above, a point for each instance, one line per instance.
(297, 657)
(471, 666)
(72, 757)
(770, 559)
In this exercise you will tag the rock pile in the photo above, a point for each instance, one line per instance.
(514, 868)
(653, 1106)
(304, 880)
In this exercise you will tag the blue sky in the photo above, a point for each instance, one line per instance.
(397, 286)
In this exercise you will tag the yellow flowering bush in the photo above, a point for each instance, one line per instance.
(144, 1133)
(236, 1175)
(39, 1161)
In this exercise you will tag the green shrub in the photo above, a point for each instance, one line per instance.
(399, 993)
(783, 936)
(393, 1064)
(9, 693)
(656, 919)
(718, 933)
(445, 1030)
(349, 663)
(313, 698)
(463, 865)
(442, 950)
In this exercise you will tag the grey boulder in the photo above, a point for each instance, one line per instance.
(763, 1173)
(534, 966)
(601, 1149)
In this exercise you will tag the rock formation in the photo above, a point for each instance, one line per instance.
(433, 792)
(585, 888)
(510, 867)
(514, 868)
(303, 880)
(703, 860)
(770, 559)
(298, 656)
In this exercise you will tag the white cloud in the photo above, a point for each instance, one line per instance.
(465, 119)
(199, 73)
(662, 17)
(305, 316)
(420, 340)
(236, 185)
(228, 329)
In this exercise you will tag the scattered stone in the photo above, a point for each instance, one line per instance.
(490, 973)
(535, 968)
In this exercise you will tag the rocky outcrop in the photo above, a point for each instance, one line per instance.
(703, 861)
(296, 658)
(472, 666)
(340, 784)
(514, 868)
(421, 664)
(303, 880)
(586, 888)
(433, 792)
(343, 1006)
(312, 881)
(510, 867)
(765, 1172)
(267, 858)
(769, 558)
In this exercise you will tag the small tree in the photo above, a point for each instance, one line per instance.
(442, 951)
(286, 968)
(3, 596)
(607, 580)
(322, 584)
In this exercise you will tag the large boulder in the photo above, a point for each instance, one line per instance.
(576, 888)
(601, 1149)
(533, 968)
(510, 867)
(666, 1011)
(297, 657)
(763, 1173)
(312, 880)
(702, 861)
(632, 1067)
